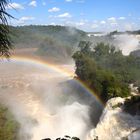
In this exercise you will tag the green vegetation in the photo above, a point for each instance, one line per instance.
(106, 70)
(5, 42)
(8, 126)
(54, 48)
(34, 35)
(137, 32)
(51, 41)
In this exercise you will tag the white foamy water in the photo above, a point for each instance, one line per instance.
(127, 43)
(48, 104)
(42, 103)
(115, 124)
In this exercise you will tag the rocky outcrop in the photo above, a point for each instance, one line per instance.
(115, 124)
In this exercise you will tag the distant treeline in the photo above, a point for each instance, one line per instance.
(134, 32)
(35, 33)
(51, 41)
(105, 70)
(137, 32)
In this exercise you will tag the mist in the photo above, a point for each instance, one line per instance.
(127, 43)
(46, 103)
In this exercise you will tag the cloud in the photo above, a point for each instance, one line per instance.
(128, 26)
(77, 1)
(80, 23)
(112, 19)
(53, 23)
(95, 21)
(25, 19)
(65, 15)
(33, 3)
(54, 9)
(114, 24)
(68, 0)
(122, 18)
(94, 26)
(14, 6)
(103, 22)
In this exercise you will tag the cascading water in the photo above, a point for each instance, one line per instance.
(115, 124)
(46, 103)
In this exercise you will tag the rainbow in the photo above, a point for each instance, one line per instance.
(57, 68)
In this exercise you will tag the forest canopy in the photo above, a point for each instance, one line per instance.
(8, 126)
(106, 70)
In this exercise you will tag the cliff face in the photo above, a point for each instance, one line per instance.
(116, 124)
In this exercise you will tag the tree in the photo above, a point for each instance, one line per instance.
(5, 42)
(103, 69)
(101, 49)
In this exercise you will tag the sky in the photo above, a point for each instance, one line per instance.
(88, 15)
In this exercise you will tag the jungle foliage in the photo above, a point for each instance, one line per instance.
(8, 126)
(106, 70)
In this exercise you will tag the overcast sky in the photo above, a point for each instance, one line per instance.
(89, 15)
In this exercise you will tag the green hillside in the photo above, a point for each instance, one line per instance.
(54, 41)
(34, 33)
(8, 126)
(106, 70)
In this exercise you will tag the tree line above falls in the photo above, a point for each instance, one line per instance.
(35, 33)
(51, 41)
(55, 42)
(105, 70)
